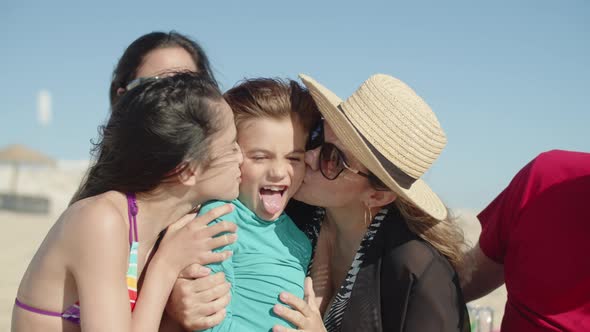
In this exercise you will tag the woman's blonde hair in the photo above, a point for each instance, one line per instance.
(444, 235)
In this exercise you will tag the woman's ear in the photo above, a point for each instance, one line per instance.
(189, 174)
(379, 198)
(120, 91)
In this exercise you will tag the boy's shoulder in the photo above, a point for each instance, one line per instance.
(289, 222)
(296, 234)
(208, 206)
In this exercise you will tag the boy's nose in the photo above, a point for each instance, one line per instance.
(278, 171)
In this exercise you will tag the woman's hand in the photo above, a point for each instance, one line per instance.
(189, 240)
(198, 304)
(306, 314)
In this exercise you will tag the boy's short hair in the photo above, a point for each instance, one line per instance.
(272, 98)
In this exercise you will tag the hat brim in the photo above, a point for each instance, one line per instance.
(419, 193)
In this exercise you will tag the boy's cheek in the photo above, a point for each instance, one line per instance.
(298, 175)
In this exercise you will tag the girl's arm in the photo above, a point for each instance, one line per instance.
(225, 268)
(99, 264)
(186, 242)
(97, 252)
(159, 278)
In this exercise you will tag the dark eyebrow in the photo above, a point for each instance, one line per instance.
(259, 150)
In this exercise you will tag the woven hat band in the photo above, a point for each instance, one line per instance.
(403, 180)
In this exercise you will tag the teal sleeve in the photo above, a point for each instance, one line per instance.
(226, 267)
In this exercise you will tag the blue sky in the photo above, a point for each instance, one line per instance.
(507, 79)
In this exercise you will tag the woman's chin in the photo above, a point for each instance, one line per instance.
(305, 197)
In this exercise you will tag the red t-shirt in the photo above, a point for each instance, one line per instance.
(539, 228)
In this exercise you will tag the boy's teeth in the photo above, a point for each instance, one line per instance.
(274, 188)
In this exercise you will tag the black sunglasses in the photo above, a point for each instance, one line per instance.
(332, 162)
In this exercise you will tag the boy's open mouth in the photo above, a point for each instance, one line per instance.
(272, 198)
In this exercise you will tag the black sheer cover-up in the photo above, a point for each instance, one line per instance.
(397, 281)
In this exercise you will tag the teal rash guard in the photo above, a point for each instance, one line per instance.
(269, 257)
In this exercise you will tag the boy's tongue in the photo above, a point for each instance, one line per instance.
(272, 200)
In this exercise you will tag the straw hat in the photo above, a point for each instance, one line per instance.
(391, 131)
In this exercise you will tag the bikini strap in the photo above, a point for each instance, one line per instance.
(35, 310)
(132, 213)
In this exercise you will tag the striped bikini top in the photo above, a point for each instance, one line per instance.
(72, 313)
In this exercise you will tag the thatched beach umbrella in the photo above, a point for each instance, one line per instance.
(18, 155)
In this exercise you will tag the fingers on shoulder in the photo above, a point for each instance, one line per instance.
(213, 212)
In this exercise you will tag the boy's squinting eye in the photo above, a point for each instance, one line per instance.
(258, 157)
(295, 159)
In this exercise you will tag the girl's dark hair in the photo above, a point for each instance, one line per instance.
(126, 69)
(153, 133)
(271, 98)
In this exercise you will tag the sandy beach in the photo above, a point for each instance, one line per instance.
(22, 233)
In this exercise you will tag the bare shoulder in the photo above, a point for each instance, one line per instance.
(96, 245)
(96, 219)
